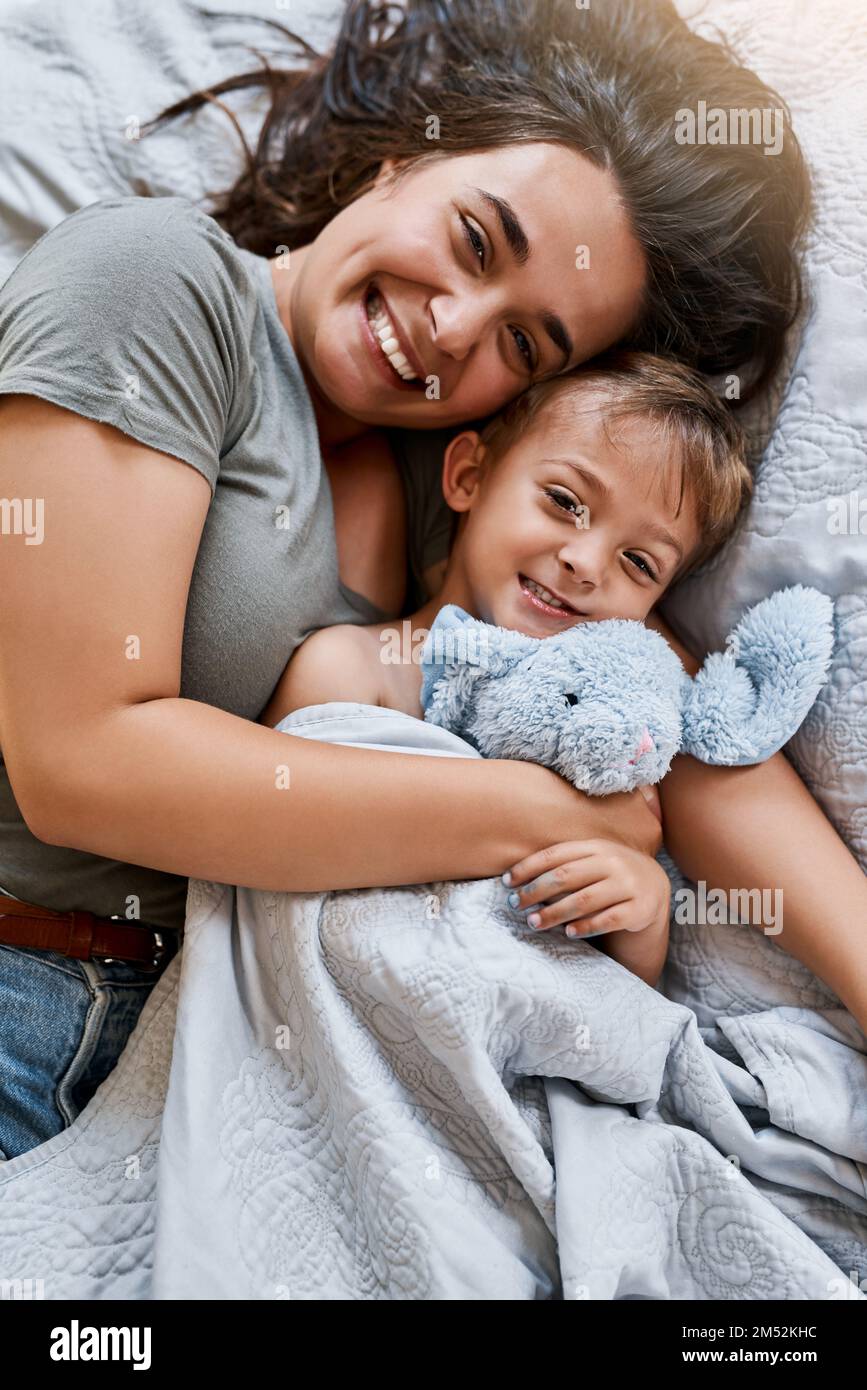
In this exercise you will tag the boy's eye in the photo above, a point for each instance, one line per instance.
(640, 563)
(564, 500)
(567, 503)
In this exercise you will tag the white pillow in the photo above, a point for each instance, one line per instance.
(811, 476)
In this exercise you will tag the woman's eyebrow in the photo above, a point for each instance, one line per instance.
(519, 244)
(516, 238)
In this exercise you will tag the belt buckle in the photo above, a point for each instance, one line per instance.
(160, 950)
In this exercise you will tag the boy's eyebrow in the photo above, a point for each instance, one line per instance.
(602, 488)
(659, 533)
(519, 244)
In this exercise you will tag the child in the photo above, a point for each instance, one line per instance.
(584, 500)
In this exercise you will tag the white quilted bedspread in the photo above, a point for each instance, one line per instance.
(370, 1096)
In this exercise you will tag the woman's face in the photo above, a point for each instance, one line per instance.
(491, 269)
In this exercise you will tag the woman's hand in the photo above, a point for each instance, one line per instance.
(591, 886)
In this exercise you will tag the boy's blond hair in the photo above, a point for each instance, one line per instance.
(710, 444)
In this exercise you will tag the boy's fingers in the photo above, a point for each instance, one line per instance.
(611, 919)
(590, 900)
(545, 860)
(565, 878)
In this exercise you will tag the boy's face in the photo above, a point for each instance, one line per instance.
(569, 526)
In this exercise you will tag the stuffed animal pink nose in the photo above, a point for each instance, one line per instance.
(646, 745)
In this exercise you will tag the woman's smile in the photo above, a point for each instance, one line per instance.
(393, 342)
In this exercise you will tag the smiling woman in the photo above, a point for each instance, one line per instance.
(477, 324)
(553, 214)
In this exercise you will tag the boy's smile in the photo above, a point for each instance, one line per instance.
(547, 601)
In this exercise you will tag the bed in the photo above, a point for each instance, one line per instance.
(392, 1093)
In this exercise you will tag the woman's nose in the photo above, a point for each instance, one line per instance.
(458, 322)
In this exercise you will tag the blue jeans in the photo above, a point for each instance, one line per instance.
(63, 1026)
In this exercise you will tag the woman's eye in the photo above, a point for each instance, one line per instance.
(526, 351)
(564, 500)
(474, 240)
(640, 564)
(476, 243)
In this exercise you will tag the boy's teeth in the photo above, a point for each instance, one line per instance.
(383, 331)
(543, 593)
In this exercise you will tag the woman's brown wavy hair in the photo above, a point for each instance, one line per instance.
(721, 225)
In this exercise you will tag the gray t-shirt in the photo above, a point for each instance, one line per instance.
(143, 314)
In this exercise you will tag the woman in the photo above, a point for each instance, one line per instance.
(145, 628)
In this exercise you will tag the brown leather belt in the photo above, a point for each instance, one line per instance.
(80, 934)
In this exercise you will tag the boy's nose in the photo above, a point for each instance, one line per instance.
(584, 559)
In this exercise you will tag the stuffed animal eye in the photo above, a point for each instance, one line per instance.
(570, 698)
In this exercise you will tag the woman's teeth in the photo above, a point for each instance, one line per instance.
(544, 595)
(383, 331)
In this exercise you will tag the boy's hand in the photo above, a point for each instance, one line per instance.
(594, 886)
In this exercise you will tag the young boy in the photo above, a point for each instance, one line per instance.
(584, 500)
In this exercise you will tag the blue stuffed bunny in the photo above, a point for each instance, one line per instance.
(608, 704)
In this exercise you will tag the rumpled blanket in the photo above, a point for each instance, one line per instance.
(404, 1094)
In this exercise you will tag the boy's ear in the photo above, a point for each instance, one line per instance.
(462, 470)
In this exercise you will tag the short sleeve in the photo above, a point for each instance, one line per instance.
(135, 312)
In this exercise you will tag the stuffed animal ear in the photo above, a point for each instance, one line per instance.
(458, 651)
(747, 702)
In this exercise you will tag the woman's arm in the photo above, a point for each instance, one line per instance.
(759, 827)
(104, 755)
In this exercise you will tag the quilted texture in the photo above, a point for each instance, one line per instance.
(371, 1096)
(115, 66)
